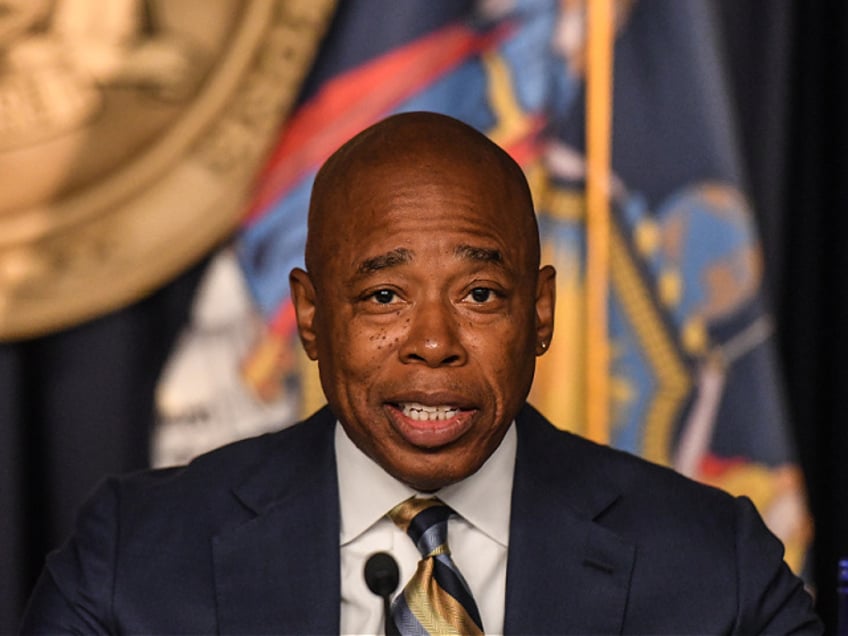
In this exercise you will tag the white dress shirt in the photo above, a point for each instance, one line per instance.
(478, 539)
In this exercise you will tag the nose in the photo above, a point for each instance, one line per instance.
(433, 337)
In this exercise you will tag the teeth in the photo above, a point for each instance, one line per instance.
(424, 413)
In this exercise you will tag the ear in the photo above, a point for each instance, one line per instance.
(545, 305)
(303, 298)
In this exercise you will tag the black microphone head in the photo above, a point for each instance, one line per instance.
(381, 574)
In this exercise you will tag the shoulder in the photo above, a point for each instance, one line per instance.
(206, 485)
(178, 508)
(699, 547)
(588, 467)
(670, 519)
(160, 525)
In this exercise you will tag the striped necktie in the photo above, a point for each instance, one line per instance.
(437, 599)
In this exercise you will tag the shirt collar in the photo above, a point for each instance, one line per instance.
(367, 492)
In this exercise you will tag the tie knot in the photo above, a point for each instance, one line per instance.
(426, 523)
(437, 599)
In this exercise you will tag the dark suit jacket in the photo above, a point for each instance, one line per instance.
(246, 540)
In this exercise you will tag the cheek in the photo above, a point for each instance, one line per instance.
(504, 355)
(361, 351)
(379, 340)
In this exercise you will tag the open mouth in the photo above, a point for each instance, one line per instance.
(425, 413)
(430, 425)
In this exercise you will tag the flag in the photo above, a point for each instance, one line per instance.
(690, 373)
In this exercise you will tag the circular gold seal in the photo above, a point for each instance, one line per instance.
(130, 132)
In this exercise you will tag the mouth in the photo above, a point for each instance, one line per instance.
(430, 426)
(424, 413)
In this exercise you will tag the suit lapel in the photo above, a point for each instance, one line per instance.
(278, 572)
(566, 573)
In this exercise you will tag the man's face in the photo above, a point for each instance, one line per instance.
(425, 316)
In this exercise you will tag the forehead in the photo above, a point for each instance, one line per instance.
(429, 200)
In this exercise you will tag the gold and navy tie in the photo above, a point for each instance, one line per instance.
(437, 599)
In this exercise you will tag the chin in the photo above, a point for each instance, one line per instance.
(429, 484)
(432, 478)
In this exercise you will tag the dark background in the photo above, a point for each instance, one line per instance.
(789, 67)
(78, 404)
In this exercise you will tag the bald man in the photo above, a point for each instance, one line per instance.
(424, 304)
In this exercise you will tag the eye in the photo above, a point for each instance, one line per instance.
(485, 299)
(481, 294)
(384, 296)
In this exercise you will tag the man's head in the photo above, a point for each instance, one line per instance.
(423, 304)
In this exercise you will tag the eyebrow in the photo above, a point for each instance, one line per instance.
(399, 256)
(484, 254)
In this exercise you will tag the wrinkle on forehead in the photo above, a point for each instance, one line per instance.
(419, 142)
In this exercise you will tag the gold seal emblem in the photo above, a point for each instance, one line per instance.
(130, 132)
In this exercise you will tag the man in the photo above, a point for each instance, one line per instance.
(424, 305)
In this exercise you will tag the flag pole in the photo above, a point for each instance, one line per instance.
(599, 63)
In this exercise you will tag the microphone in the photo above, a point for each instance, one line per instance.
(382, 576)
